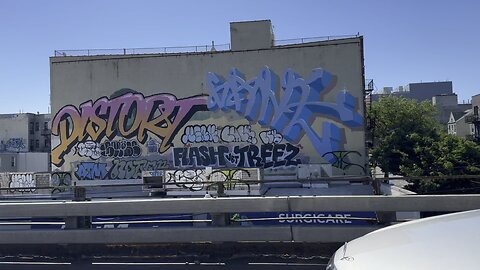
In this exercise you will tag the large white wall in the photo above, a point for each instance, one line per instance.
(33, 162)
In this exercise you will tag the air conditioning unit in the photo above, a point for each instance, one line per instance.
(153, 181)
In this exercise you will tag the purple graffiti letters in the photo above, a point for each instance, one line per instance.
(129, 115)
(293, 112)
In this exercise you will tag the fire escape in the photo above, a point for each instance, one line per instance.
(475, 120)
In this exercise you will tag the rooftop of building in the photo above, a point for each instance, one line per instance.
(458, 115)
(242, 38)
(225, 47)
(14, 115)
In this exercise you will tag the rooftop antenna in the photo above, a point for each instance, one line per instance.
(213, 47)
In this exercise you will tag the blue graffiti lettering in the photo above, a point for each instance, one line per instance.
(118, 169)
(91, 170)
(249, 156)
(294, 112)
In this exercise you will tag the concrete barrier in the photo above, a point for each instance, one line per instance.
(233, 233)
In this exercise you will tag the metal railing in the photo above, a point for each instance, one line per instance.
(293, 41)
(156, 50)
(60, 185)
(186, 49)
(219, 209)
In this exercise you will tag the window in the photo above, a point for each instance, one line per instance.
(37, 126)
(30, 128)
(31, 145)
(37, 144)
(45, 125)
(47, 143)
(451, 128)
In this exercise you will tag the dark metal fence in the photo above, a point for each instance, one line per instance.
(186, 49)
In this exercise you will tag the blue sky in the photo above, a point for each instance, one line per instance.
(405, 41)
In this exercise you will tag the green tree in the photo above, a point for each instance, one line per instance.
(402, 129)
(408, 141)
(450, 155)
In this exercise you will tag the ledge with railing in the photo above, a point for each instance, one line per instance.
(187, 49)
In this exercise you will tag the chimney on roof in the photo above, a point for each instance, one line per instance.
(251, 35)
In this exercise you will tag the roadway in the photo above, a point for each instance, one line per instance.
(271, 255)
(244, 264)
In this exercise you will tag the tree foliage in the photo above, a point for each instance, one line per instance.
(450, 155)
(401, 126)
(408, 141)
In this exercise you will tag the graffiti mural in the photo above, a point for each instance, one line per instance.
(255, 123)
(242, 133)
(293, 112)
(129, 115)
(200, 133)
(249, 156)
(118, 169)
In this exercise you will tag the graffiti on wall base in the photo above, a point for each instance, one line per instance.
(189, 179)
(22, 183)
(61, 181)
(118, 169)
(201, 179)
(342, 161)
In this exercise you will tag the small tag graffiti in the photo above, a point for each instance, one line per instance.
(270, 136)
(24, 181)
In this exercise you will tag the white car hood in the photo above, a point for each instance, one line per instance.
(444, 242)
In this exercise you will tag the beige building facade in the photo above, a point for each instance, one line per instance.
(268, 107)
